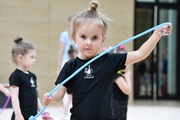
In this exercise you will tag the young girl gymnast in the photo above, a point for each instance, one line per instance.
(92, 87)
(4, 90)
(23, 83)
(121, 90)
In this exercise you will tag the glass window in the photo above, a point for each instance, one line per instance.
(145, 0)
(167, 56)
(143, 77)
(168, 1)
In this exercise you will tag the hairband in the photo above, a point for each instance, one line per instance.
(121, 47)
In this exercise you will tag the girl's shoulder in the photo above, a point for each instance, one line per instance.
(19, 73)
(74, 64)
(16, 72)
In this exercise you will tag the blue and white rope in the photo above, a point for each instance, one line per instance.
(98, 56)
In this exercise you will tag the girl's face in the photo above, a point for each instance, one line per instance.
(27, 61)
(88, 37)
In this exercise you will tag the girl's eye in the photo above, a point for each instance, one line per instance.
(83, 37)
(95, 37)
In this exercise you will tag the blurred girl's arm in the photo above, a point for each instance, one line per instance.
(61, 50)
(124, 83)
(15, 102)
(39, 104)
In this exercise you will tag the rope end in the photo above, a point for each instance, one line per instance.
(31, 118)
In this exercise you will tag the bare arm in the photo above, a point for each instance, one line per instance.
(15, 102)
(124, 83)
(4, 90)
(61, 50)
(147, 47)
(39, 104)
(56, 96)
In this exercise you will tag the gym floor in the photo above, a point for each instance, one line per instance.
(139, 110)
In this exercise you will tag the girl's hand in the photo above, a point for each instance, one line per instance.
(164, 30)
(46, 99)
(19, 117)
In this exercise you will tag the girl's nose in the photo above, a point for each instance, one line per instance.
(89, 42)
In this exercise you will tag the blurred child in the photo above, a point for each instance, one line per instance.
(72, 52)
(23, 83)
(92, 87)
(65, 43)
(121, 90)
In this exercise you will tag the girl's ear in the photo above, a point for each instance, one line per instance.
(73, 38)
(20, 57)
(104, 38)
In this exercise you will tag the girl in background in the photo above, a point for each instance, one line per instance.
(23, 84)
(121, 90)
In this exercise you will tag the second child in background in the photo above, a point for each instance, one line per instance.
(121, 90)
(72, 52)
(65, 43)
(23, 83)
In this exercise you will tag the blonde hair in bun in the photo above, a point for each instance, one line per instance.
(91, 15)
(94, 5)
(18, 39)
(20, 48)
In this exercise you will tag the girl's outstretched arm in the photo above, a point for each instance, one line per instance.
(148, 46)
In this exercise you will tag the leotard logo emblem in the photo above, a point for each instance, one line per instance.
(88, 71)
(32, 82)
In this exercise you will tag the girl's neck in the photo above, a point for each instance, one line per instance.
(24, 70)
(83, 57)
(86, 58)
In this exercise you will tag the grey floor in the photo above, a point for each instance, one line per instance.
(139, 110)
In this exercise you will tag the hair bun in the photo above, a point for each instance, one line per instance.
(18, 39)
(94, 5)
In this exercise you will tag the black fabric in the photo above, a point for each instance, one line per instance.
(120, 109)
(27, 91)
(92, 86)
(69, 91)
(117, 93)
(119, 101)
(13, 117)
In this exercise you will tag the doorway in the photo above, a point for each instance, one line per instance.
(156, 77)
